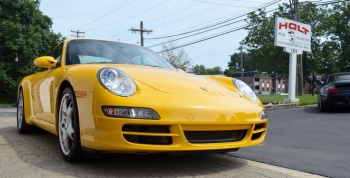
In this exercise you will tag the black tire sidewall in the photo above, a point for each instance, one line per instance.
(24, 126)
(76, 152)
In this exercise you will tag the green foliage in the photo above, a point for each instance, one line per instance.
(230, 71)
(306, 99)
(234, 65)
(260, 44)
(340, 33)
(25, 33)
(330, 42)
(201, 70)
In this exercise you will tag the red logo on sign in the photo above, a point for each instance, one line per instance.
(293, 26)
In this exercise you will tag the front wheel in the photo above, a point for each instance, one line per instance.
(68, 127)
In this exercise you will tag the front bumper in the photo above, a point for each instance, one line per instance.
(186, 124)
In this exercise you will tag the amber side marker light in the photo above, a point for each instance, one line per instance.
(80, 94)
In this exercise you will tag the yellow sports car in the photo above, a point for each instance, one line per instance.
(111, 97)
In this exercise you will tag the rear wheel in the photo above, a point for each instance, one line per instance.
(321, 106)
(68, 127)
(22, 126)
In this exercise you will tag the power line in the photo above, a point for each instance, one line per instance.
(108, 13)
(223, 4)
(219, 23)
(197, 33)
(328, 2)
(207, 38)
(195, 14)
(130, 16)
(213, 36)
(190, 16)
(160, 18)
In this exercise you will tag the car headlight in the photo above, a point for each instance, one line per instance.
(244, 88)
(116, 81)
(263, 114)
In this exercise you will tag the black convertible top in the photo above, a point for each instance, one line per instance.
(339, 73)
(338, 76)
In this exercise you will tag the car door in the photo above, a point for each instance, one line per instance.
(43, 89)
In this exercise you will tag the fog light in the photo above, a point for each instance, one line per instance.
(263, 114)
(125, 112)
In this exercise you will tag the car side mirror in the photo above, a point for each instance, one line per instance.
(45, 62)
(180, 70)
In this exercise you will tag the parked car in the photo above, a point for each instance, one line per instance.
(334, 92)
(111, 97)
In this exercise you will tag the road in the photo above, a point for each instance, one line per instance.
(38, 155)
(306, 140)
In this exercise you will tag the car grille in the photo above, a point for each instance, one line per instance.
(161, 135)
(214, 136)
(147, 134)
(259, 129)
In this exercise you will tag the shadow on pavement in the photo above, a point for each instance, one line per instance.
(314, 109)
(41, 151)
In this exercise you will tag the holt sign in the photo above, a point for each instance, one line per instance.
(292, 34)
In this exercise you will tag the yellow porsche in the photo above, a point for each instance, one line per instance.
(111, 97)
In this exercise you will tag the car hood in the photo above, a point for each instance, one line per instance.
(175, 82)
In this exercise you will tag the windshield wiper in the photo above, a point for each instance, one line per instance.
(103, 62)
(153, 66)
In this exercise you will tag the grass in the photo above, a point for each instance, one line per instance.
(306, 99)
(6, 104)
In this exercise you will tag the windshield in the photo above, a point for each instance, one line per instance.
(342, 77)
(96, 51)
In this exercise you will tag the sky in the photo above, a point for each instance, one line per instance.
(114, 19)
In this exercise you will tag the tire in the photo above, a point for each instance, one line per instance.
(22, 126)
(68, 127)
(322, 107)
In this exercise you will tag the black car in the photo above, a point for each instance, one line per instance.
(334, 92)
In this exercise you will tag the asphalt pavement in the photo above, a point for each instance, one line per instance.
(38, 155)
(305, 139)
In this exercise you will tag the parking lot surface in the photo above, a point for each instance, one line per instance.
(37, 155)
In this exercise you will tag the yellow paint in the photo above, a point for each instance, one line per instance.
(184, 102)
(45, 62)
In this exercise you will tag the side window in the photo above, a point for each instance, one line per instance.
(326, 80)
(57, 53)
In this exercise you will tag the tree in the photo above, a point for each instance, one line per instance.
(325, 51)
(202, 70)
(340, 34)
(260, 44)
(199, 70)
(234, 65)
(176, 57)
(25, 33)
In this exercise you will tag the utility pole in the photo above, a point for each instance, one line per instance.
(141, 30)
(300, 78)
(241, 63)
(77, 34)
